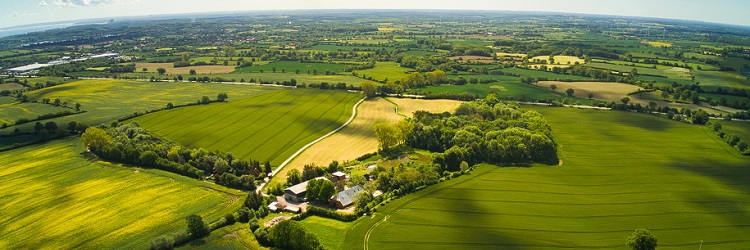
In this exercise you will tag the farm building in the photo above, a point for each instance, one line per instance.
(27, 68)
(297, 192)
(338, 176)
(345, 198)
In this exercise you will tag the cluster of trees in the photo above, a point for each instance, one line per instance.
(311, 171)
(288, 234)
(131, 144)
(730, 138)
(320, 190)
(484, 131)
(390, 135)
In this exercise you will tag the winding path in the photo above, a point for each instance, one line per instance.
(288, 160)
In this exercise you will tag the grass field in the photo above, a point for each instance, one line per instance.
(354, 140)
(385, 70)
(545, 74)
(710, 80)
(11, 112)
(407, 106)
(292, 66)
(677, 180)
(328, 231)
(237, 236)
(562, 60)
(108, 100)
(10, 86)
(665, 72)
(55, 197)
(269, 127)
(504, 90)
(169, 67)
(741, 129)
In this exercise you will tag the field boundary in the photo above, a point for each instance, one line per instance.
(288, 160)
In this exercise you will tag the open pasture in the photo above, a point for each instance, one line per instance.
(385, 70)
(10, 112)
(407, 106)
(643, 171)
(55, 196)
(292, 67)
(11, 86)
(514, 90)
(269, 127)
(664, 72)
(108, 100)
(185, 71)
(710, 80)
(483, 59)
(328, 231)
(561, 60)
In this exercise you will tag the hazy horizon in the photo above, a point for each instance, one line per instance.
(22, 12)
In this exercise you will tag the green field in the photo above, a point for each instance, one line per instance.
(270, 126)
(108, 100)
(677, 180)
(328, 231)
(711, 79)
(385, 70)
(57, 197)
(545, 74)
(504, 90)
(292, 66)
(740, 128)
(10, 110)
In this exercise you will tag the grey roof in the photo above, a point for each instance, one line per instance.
(346, 197)
(300, 188)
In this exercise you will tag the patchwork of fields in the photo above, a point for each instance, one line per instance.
(56, 197)
(270, 126)
(677, 180)
(108, 100)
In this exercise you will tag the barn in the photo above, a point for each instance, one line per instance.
(345, 198)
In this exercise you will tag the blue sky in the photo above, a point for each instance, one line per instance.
(21, 12)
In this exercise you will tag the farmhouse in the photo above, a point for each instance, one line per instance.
(345, 198)
(297, 192)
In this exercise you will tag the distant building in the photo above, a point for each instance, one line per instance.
(345, 198)
(297, 192)
(27, 68)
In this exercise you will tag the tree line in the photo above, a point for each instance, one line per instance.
(131, 144)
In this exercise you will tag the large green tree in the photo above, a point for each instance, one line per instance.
(369, 88)
(95, 139)
(196, 227)
(641, 239)
(291, 234)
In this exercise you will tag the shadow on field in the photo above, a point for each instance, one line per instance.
(265, 105)
(471, 230)
(733, 173)
(647, 122)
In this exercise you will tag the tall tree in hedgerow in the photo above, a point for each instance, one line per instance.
(196, 227)
(641, 239)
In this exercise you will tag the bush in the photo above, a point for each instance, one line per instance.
(253, 224)
(162, 242)
(322, 212)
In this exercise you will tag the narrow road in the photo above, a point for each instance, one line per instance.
(288, 160)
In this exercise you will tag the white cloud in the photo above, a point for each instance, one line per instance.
(84, 3)
(15, 14)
